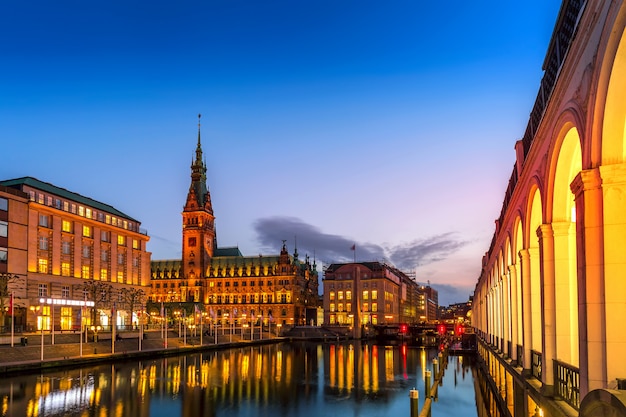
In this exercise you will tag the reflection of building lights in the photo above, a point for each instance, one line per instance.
(58, 402)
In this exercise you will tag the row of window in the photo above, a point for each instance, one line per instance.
(86, 212)
(252, 298)
(43, 267)
(66, 249)
(348, 295)
(331, 285)
(68, 227)
(348, 307)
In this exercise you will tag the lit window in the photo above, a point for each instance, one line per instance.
(340, 295)
(348, 307)
(374, 307)
(43, 266)
(66, 206)
(40, 198)
(332, 307)
(104, 274)
(374, 294)
(121, 240)
(49, 200)
(81, 211)
(114, 221)
(4, 229)
(32, 195)
(366, 295)
(73, 208)
(125, 224)
(86, 231)
(67, 226)
(85, 272)
(107, 219)
(366, 307)
(331, 295)
(65, 269)
(340, 307)
(88, 213)
(135, 244)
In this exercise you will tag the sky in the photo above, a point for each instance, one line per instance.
(388, 125)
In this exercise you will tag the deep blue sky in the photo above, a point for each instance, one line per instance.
(386, 124)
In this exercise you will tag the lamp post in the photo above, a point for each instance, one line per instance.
(95, 330)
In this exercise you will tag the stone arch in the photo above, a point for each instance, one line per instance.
(604, 403)
(566, 164)
(518, 238)
(613, 203)
(613, 109)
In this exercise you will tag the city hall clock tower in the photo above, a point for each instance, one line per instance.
(199, 238)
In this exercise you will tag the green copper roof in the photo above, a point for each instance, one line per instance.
(18, 183)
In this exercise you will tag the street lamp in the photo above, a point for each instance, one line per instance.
(95, 330)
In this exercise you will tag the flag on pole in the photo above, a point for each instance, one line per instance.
(353, 247)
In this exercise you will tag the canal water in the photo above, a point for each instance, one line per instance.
(286, 379)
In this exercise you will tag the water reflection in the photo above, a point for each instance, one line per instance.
(272, 380)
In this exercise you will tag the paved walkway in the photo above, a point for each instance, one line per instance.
(67, 348)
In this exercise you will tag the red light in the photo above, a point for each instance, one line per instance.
(403, 328)
(441, 329)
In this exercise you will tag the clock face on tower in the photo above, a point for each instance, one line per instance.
(208, 244)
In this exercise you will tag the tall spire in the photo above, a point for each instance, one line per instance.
(198, 180)
(199, 147)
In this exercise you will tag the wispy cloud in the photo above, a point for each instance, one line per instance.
(334, 248)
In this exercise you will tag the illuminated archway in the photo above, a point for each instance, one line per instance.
(568, 163)
(613, 209)
(535, 221)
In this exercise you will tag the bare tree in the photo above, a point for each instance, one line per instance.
(132, 298)
(8, 283)
(100, 293)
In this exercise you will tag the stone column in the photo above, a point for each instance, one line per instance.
(614, 264)
(514, 317)
(526, 310)
(548, 309)
(590, 271)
